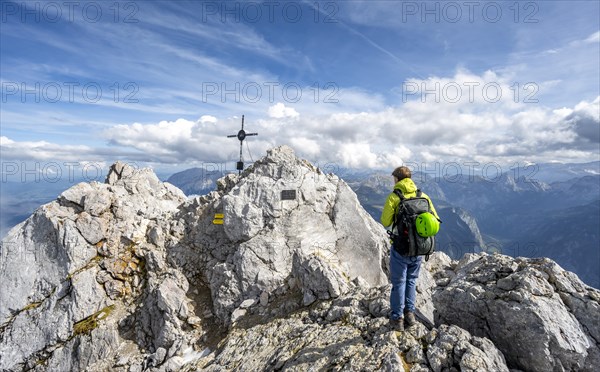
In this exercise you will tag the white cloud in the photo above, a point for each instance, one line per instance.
(593, 38)
(279, 111)
(43, 151)
(306, 146)
(176, 141)
(393, 158)
(383, 137)
(5, 141)
(590, 108)
(463, 89)
(207, 119)
(356, 155)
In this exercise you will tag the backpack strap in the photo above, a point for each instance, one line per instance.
(402, 198)
(400, 195)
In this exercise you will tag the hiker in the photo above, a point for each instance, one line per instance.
(404, 267)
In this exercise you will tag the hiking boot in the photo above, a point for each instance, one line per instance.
(410, 318)
(397, 324)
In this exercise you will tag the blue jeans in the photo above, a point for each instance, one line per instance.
(404, 273)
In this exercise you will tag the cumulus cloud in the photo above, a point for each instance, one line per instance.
(280, 111)
(176, 141)
(357, 155)
(207, 119)
(471, 129)
(585, 122)
(307, 146)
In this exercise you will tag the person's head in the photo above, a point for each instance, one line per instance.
(401, 173)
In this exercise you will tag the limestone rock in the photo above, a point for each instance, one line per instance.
(77, 193)
(57, 301)
(254, 249)
(455, 347)
(350, 340)
(264, 298)
(98, 202)
(530, 308)
(93, 229)
(317, 279)
(237, 314)
(247, 303)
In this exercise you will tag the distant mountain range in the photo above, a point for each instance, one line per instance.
(555, 172)
(518, 217)
(547, 210)
(196, 181)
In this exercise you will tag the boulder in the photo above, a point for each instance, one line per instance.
(540, 316)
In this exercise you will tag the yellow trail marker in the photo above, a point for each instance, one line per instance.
(218, 219)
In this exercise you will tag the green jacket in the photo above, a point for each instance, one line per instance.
(409, 190)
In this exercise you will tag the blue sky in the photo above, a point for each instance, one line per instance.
(163, 67)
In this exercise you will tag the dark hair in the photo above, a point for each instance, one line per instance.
(401, 173)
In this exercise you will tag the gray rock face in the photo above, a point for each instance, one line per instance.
(540, 316)
(317, 279)
(72, 265)
(130, 275)
(113, 263)
(324, 227)
(455, 347)
(342, 334)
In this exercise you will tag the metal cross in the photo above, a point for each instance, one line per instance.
(241, 135)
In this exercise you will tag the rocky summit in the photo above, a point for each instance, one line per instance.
(279, 268)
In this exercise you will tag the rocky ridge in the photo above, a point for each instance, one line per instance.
(130, 275)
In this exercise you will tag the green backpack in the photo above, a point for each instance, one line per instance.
(405, 233)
